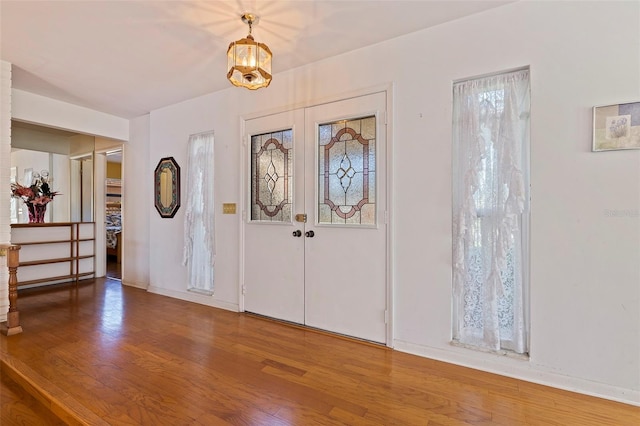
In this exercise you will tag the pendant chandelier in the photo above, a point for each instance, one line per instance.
(248, 61)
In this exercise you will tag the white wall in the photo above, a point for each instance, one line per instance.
(5, 179)
(137, 205)
(33, 108)
(585, 274)
(170, 130)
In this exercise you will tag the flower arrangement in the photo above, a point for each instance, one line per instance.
(37, 196)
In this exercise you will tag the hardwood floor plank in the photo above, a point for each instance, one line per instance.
(17, 407)
(348, 418)
(129, 357)
(296, 414)
(269, 363)
(58, 402)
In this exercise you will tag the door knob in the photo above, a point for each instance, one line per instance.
(309, 234)
(297, 233)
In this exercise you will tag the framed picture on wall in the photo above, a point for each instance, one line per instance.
(616, 127)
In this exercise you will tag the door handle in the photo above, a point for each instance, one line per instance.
(309, 234)
(297, 233)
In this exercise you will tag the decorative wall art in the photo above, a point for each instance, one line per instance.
(616, 127)
(167, 187)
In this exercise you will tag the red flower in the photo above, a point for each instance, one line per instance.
(22, 191)
(33, 194)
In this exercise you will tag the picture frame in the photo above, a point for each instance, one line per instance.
(166, 181)
(616, 127)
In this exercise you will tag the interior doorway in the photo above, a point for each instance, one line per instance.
(113, 214)
(315, 233)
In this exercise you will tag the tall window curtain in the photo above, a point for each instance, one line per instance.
(199, 235)
(490, 211)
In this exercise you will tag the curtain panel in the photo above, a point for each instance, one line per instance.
(490, 210)
(199, 235)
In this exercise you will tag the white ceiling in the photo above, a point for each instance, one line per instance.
(127, 58)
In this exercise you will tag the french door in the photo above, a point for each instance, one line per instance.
(315, 247)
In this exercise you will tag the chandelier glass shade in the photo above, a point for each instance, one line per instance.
(249, 62)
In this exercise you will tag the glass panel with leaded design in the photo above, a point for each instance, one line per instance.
(271, 176)
(347, 172)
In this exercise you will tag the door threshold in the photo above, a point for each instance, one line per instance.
(317, 330)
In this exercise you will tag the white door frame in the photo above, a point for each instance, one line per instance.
(100, 197)
(244, 167)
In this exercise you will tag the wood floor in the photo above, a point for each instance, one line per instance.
(114, 269)
(109, 354)
(18, 407)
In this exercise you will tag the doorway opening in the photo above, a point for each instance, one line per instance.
(113, 214)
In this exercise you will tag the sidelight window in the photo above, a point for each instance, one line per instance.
(491, 211)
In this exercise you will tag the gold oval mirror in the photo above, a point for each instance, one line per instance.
(167, 187)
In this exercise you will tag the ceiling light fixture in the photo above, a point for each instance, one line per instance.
(249, 62)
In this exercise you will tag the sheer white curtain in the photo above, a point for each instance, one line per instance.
(199, 236)
(490, 210)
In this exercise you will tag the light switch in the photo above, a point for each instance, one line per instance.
(228, 208)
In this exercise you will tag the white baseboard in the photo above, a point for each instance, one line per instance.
(134, 284)
(520, 369)
(194, 297)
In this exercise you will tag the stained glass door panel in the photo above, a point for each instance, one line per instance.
(273, 281)
(347, 172)
(271, 176)
(345, 257)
